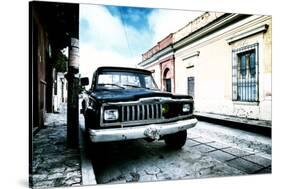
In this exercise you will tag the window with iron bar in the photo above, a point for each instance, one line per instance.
(245, 78)
(190, 86)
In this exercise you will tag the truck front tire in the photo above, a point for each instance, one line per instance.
(176, 140)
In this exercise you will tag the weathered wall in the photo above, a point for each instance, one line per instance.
(158, 47)
(194, 25)
(159, 66)
(213, 70)
(38, 64)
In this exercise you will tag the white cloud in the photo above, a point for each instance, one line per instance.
(102, 25)
(165, 21)
(92, 58)
(104, 39)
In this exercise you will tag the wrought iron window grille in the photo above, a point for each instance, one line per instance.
(245, 73)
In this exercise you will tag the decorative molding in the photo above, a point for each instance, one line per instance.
(196, 53)
(248, 33)
(216, 25)
(156, 56)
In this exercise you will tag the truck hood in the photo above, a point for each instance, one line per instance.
(131, 95)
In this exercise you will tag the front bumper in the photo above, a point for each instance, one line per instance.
(153, 131)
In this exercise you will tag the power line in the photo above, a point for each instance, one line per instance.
(124, 29)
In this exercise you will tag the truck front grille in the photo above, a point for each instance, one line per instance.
(145, 111)
(141, 112)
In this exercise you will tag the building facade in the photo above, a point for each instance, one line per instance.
(160, 60)
(222, 60)
(60, 91)
(50, 27)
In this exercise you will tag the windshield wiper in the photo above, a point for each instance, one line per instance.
(135, 86)
(112, 84)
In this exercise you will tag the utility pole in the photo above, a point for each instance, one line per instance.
(72, 96)
(72, 79)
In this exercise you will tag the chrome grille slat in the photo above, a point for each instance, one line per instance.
(128, 113)
(122, 113)
(156, 110)
(147, 111)
(152, 111)
(138, 112)
(133, 112)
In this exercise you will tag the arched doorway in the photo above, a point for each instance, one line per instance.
(167, 81)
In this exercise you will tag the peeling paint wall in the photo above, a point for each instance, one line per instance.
(194, 25)
(158, 67)
(160, 45)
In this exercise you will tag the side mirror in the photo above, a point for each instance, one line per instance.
(84, 81)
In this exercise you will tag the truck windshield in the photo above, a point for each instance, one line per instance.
(117, 80)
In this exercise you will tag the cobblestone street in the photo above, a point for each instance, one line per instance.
(53, 163)
(207, 153)
(210, 151)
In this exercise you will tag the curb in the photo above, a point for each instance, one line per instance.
(36, 130)
(260, 129)
(87, 169)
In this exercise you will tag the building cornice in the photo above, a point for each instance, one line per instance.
(259, 29)
(215, 25)
(156, 56)
(212, 27)
(196, 53)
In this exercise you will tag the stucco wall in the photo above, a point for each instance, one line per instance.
(196, 24)
(213, 70)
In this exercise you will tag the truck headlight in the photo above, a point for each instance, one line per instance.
(186, 108)
(111, 115)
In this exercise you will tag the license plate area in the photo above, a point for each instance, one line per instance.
(152, 132)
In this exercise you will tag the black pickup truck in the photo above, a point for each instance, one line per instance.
(125, 104)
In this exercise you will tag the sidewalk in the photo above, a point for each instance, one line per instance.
(259, 126)
(54, 164)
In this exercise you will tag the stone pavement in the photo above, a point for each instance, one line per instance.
(54, 164)
(210, 151)
(139, 161)
(248, 161)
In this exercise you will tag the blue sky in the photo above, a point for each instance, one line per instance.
(118, 36)
(134, 16)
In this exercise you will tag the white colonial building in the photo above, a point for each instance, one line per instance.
(222, 60)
